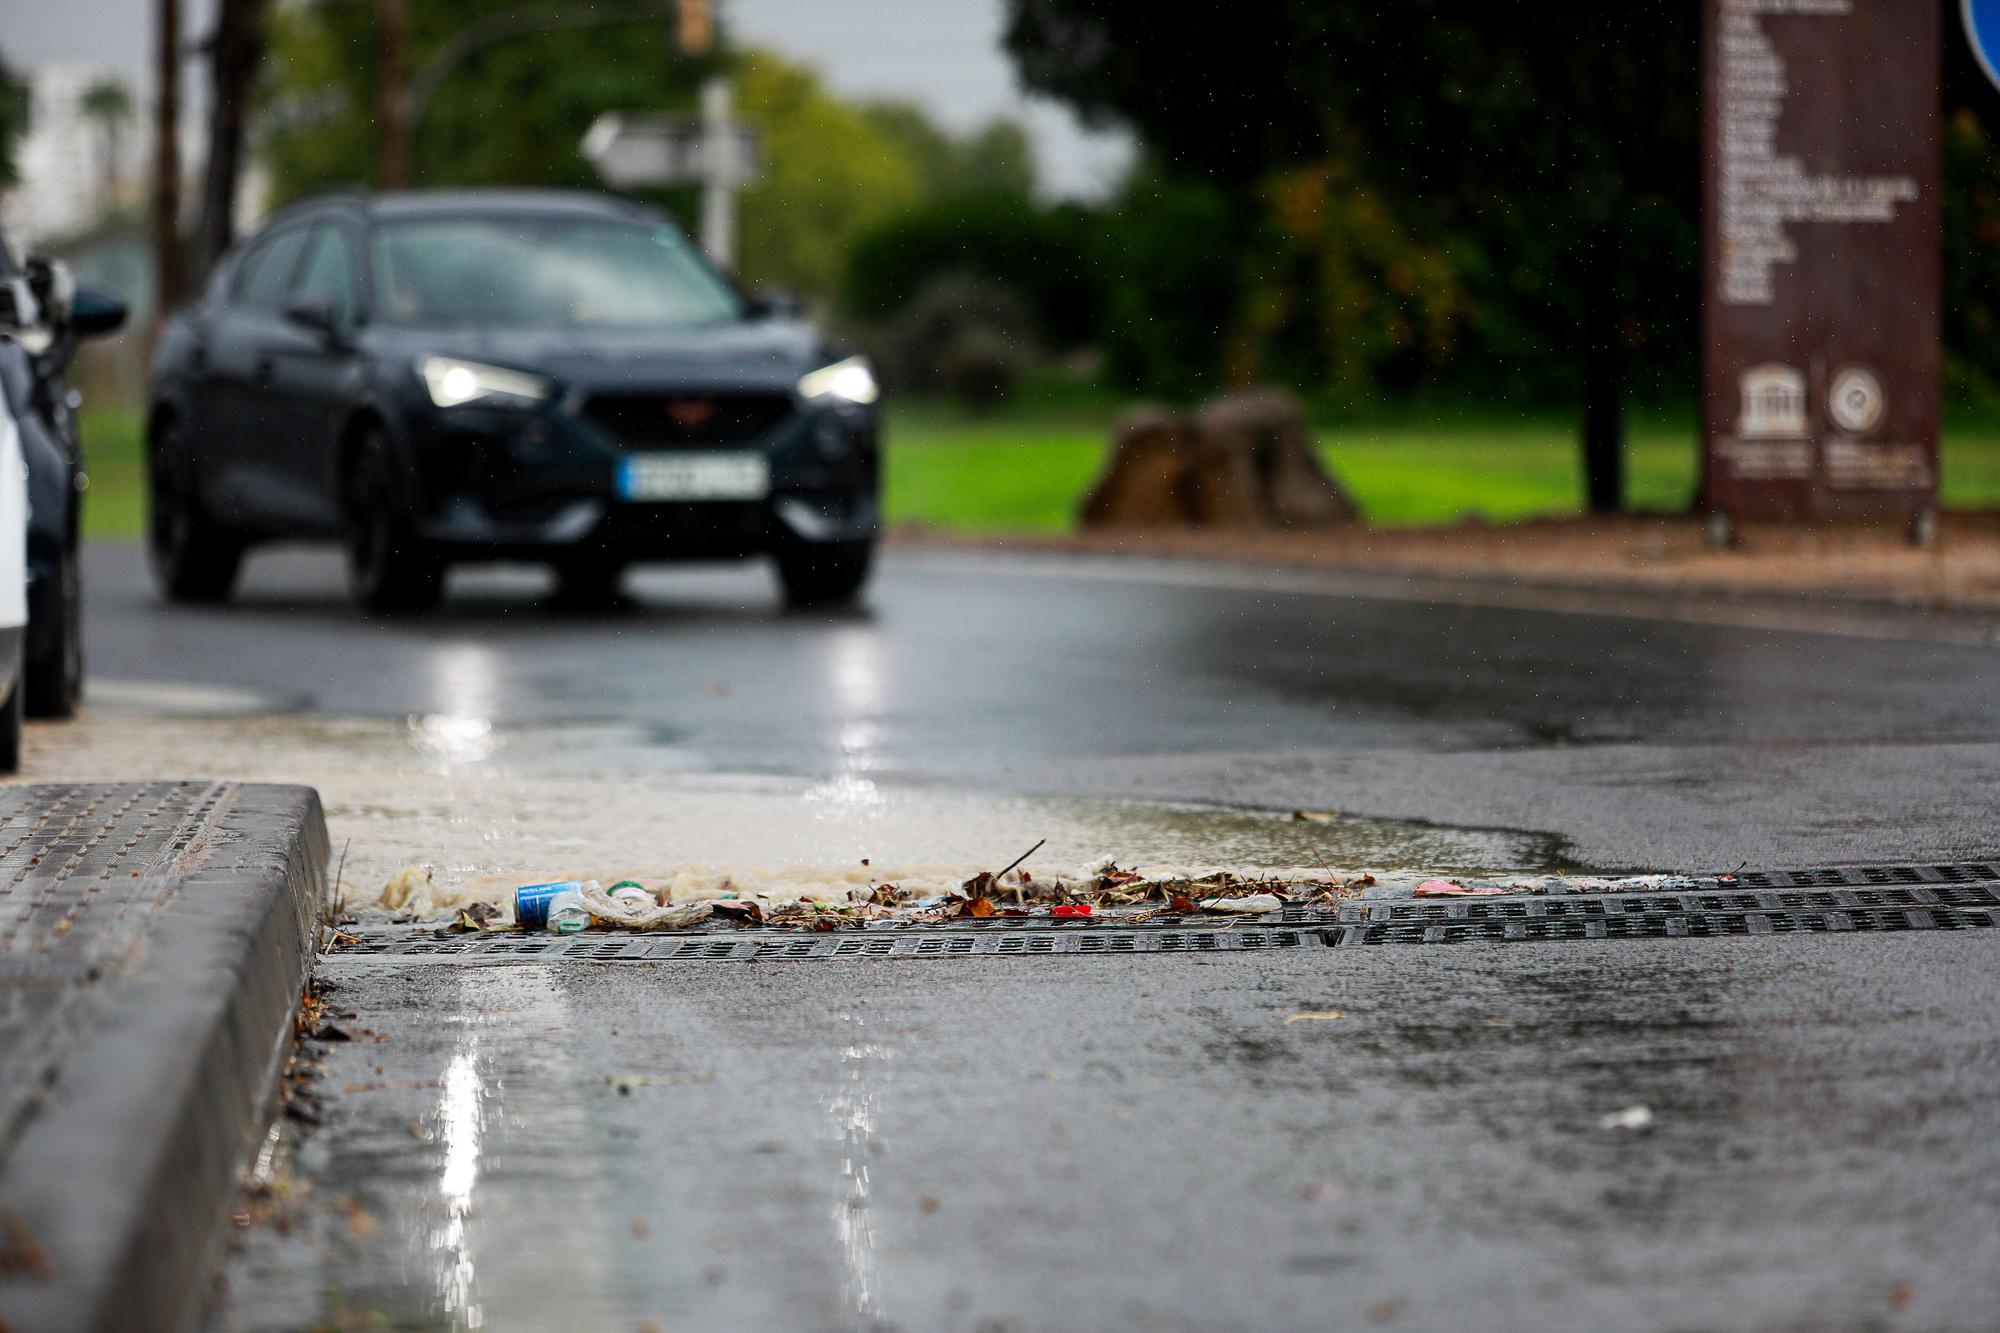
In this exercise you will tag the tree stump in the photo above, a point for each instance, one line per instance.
(1245, 461)
(1269, 430)
(1143, 485)
(1219, 488)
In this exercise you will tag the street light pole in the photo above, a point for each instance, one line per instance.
(718, 190)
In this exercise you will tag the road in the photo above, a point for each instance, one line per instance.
(1139, 1142)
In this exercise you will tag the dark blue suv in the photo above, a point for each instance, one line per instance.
(435, 378)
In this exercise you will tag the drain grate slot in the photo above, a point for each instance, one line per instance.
(1665, 925)
(768, 947)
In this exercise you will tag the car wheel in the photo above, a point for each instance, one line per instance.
(389, 568)
(12, 721)
(589, 583)
(194, 559)
(54, 677)
(825, 575)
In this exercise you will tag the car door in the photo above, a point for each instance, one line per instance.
(315, 381)
(238, 403)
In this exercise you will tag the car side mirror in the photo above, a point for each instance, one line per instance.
(94, 314)
(318, 316)
(775, 303)
(54, 288)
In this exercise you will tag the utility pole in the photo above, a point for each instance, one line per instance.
(234, 53)
(391, 106)
(169, 265)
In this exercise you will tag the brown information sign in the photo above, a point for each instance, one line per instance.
(1820, 259)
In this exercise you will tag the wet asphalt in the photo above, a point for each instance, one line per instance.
(1631, 742)
(1146, 1142)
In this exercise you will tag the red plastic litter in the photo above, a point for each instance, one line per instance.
(1444, 888)
(1070, 909)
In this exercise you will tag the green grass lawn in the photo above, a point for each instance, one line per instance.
(1025, 470)
(115, 504)
(995, 475)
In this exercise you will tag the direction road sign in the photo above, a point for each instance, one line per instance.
(631, 149)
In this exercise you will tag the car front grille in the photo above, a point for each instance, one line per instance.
(661, 420)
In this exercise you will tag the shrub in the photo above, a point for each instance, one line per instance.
(1041, 254)
(963, 335)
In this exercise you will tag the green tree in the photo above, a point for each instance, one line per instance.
(1971, 221)
(829, 174)
(996, 158)
(514, 112)
(108, 104)
(14, 112)
(1534, 131)
(1042, 254)
(511, 114)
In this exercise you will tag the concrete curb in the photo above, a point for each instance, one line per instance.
(126, 1173)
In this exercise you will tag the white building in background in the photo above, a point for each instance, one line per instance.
(75, 176)
(72, 171)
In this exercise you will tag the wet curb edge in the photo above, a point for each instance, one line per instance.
(128, 1178)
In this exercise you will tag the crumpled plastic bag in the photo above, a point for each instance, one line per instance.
(608, 911)
(1254, 904)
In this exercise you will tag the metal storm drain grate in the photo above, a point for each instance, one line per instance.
(766, 946)
(1697, 924)
(1843, 901)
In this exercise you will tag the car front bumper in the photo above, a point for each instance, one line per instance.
(495, 483)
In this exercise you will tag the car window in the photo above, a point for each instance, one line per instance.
(267, 270)
(329, 273)
(543, 272)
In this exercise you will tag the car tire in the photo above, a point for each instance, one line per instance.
(194, 559)
(589, 583)
(12, 723)
(53, 678)
(389, 568)
(830, 574)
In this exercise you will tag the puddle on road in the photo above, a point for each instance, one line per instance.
(484, 808)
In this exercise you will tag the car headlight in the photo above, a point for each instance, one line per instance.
(453, 382)
(850, 381)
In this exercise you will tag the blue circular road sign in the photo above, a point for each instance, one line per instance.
(1982, 30)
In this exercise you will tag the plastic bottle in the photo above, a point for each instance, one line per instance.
(567, 914)
(632, 894)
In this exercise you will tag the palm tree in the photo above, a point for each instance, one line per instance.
(14, 107)
(108, 103)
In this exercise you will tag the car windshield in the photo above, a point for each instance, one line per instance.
(540, 272)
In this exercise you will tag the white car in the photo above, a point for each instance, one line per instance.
(14, 375)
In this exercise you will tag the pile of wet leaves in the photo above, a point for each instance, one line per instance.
(1106, 891)
(1110, 892)
(1113, 891)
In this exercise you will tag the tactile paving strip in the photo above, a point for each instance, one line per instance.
(82, 867)
(1865, 900)
(83, 871)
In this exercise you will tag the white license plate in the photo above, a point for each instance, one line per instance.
(695, 477)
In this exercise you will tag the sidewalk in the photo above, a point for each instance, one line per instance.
(154, 939)
(1653, 553)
